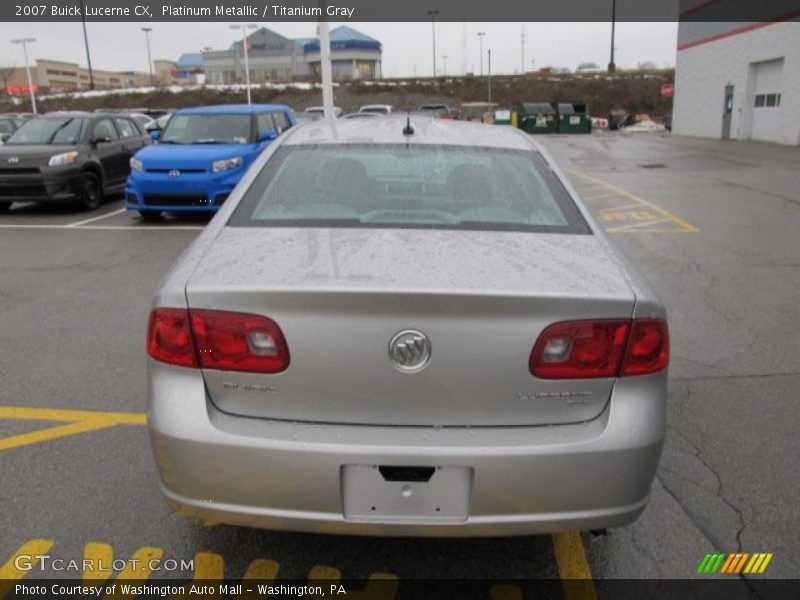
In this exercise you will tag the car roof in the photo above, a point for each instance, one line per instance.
(232, 109)
(389, 130)
(71, 113)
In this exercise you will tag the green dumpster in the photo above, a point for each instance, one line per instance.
(573, 118)
(537, 117)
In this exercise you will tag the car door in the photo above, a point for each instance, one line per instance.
(108, 147)
(133, 139)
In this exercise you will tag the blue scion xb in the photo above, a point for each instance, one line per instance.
(200, 156)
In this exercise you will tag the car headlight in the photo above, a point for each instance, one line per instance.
(136, 165)
(227, 164)
(63, 159)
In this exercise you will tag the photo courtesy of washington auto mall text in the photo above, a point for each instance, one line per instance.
(419, 300)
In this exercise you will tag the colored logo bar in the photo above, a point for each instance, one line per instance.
(740, 562)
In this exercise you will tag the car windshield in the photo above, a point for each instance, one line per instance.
(398, 186)
(49, 131)
(208, 129)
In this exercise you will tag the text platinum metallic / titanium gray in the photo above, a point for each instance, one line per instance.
(291, 374)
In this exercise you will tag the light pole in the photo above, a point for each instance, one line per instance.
(25, 42)
(244, 29)
(490, 75)
(480, 42)
(444, 64)
(611, 66)
(147, 31)
(86, 43)
(432, 14)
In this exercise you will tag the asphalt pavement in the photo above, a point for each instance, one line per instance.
(714, 227)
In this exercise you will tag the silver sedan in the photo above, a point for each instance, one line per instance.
(406, 326)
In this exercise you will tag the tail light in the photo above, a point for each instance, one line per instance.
(212, 339)
(605, 348)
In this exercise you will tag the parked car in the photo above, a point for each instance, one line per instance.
(440, 111)
(412, 329)
(148, 123)
(68, 157)
(317, 112)
(360, 115)
(8, 125)
(380, 109)
(200, 157)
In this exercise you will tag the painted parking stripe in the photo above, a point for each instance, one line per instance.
(647, 216)
(77, 421)
(573, 568)
(10, 573)
(93, 219)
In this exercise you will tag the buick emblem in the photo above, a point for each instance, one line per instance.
(174, 174)
(13, 160)
(410, 351)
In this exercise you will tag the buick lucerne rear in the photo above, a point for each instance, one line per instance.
(406, 328)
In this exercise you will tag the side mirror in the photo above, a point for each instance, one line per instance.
(267, 135)
(101, 140)
(155, 134)
(4, 138)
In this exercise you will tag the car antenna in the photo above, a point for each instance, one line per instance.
(408, 129)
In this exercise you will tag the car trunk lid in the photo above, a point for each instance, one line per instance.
(341, 295)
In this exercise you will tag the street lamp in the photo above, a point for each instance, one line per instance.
(86, 43)
(25, 42)
(147, 31)
(432, 14)
(611, 66)
(244, 29)
(480, 42)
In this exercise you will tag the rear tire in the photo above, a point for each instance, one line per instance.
(150, 216)
(91, 192)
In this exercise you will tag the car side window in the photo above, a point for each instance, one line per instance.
(281, 122)
(6, 126)
(127, 128)
(265, 122)
(104, 129)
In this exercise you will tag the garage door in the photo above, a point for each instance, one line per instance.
(767, 101)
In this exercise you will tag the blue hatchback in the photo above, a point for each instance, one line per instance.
(200, 156)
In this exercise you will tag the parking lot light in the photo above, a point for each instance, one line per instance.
(244, 28)
(25, 42)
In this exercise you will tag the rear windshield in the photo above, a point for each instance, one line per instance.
(48, 130)
(370, 186)
(208, 129)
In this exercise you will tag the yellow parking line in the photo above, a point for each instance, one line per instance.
(600, 196)
(78, 421)
(56, 414)
(573, 568)
(10, 573)
(687, 227)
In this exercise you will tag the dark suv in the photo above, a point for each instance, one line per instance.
(68, 157)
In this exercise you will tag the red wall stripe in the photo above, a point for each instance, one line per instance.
(740, 30)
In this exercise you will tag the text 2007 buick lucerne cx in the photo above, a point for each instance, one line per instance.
(406, 326)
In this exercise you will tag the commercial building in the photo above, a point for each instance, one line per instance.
(59, 76)
(273, 57)
(739, 80)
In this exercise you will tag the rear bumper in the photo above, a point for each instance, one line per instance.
(527, 480)
(62, 185)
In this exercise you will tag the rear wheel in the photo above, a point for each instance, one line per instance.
(151, 216)
(91, 192)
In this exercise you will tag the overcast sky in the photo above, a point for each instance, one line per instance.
(407, 47)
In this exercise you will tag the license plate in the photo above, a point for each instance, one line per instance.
(368, 496)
